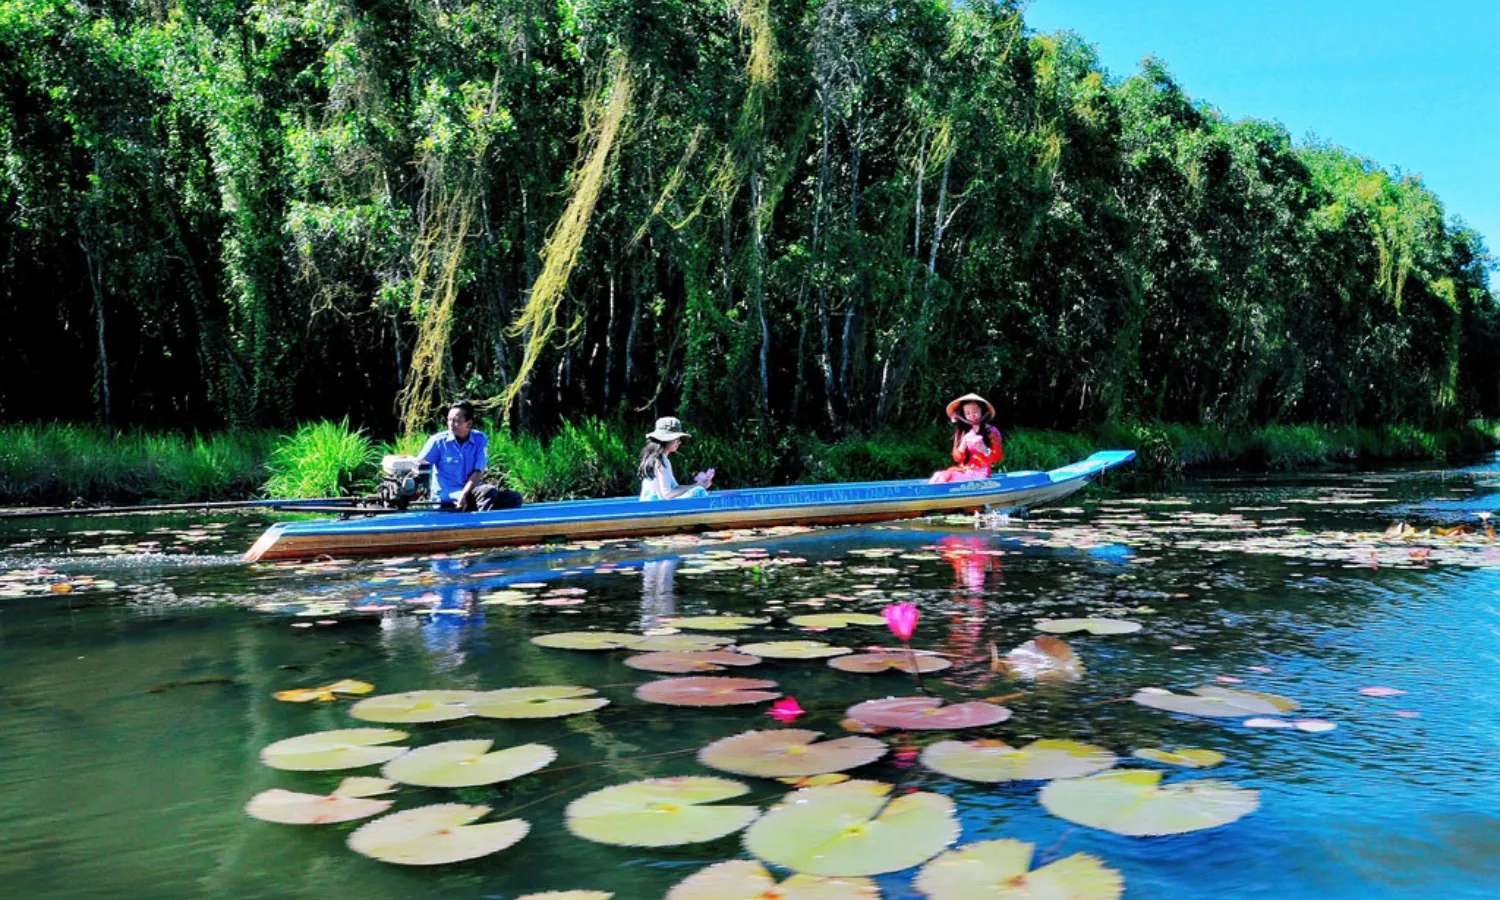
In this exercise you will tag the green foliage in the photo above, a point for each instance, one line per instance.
(60, 463)
(587, 458)
(320, 459)
(826, 218)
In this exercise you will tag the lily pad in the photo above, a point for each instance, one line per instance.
(326, 751)
(544, 702)
(679, 643)
(789, 752)
(415, 706)
(568, 895)
(854, 828)
(349, 801)
(835, 620)
(746, 879)
(1187, 757)
(1133, 802)
(992, 761)
(794, 650)
(437, 834)
(1002, 868)
(690, 661)
(707, 690)
(715, 623)
(887, 661)
(927, 712)
(454, 764)
(1092, 626)
(1215, 702)
(325, 694)
(660, 812)
(586, 640)
(1044, 658)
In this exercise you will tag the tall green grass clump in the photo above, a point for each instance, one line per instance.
(66, 462)
(586, 458)
(320, 459)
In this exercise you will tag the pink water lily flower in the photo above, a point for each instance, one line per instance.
(787, 709)
(901, 619)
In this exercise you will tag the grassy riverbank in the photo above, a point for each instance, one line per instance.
(64, 463)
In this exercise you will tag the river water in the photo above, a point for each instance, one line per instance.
(138, 658)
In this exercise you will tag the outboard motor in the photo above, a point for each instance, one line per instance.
(403, 479)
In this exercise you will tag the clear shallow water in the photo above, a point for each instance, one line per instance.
(133, 715)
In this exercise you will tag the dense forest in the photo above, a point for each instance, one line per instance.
(833, 214)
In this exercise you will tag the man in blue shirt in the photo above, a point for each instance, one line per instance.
(458, 457)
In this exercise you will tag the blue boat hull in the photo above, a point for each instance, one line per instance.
(822, 504)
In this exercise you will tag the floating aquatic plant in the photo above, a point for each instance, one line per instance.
(679, 643)
(1213, 701)
(1044, 658)
(927, 713)
(853, 828)
(910, 662)
(324, 751)
(437, 834)
(469, 763)
(716, 623)
(349, 801)
(673, 662)
(415, 706)
(1187, 757)
(586, 640)
(1002, 868)
(746, 879)
(707, 690)
(1134, 802)
(993, 761)
(660, 812)
(1092, 626)
(793, 650)
(325, 694)
(542, 702)
(789, 752)
(835, 620)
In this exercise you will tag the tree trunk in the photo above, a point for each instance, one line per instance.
(96, 283)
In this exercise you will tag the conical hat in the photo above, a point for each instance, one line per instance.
(954, 407)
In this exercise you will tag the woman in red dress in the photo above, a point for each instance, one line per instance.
(977, 444)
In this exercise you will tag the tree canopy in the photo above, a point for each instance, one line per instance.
(834, 214)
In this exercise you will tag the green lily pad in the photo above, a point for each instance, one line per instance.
(888, 661)
(793, 650)
(660, 812)
(715, 623)
(1133, 802)
(835, 620)
(853, 828)
(1187, 757)
(786, 752)
(690, 661)
(349, 801)
(991, 761)
(586, 640)
(1092, 626)
(544, 702)
(707, 690)
(1002, 868)
(746, 879)
(415, 706)
(326, 751)
(679, 643)
(1215, 702)
(433, 835)
(568, 895)
(469, 763)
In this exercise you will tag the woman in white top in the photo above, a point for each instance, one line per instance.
(657, 480)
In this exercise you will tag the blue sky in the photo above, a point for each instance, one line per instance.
(1413, 86)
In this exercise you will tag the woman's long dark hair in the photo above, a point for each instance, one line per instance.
(961, 427)
(651, 456)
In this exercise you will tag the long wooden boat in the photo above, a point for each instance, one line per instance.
(818, 504)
